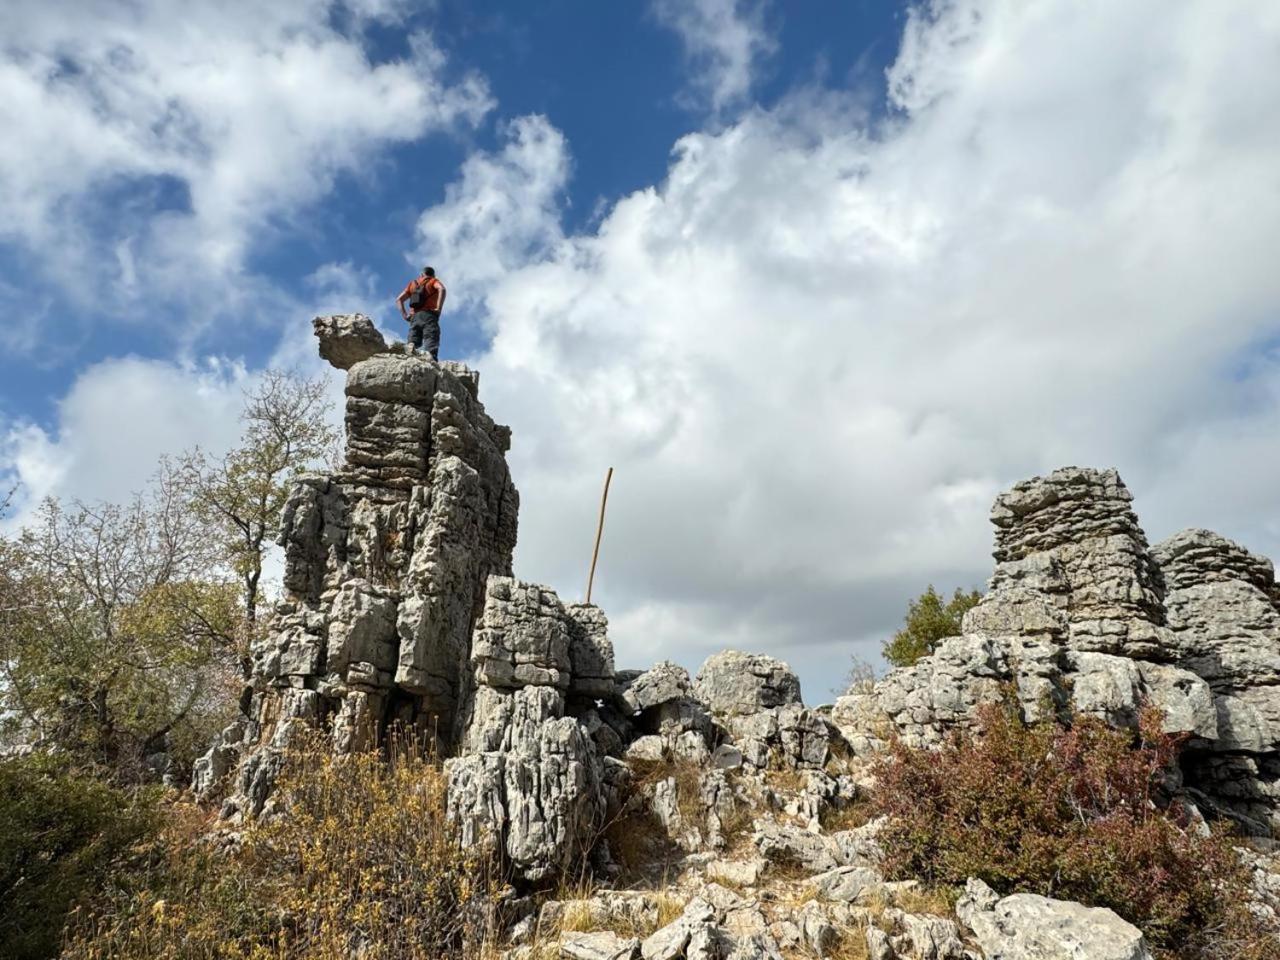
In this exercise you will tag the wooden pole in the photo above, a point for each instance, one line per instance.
(595, 554)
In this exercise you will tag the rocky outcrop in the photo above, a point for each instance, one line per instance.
(1029, 927)
(1082, 615)
(1224, 611)
(348, 338)
(386, 562)
(530, 780)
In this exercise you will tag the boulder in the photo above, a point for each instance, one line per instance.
(1025, 926)
(732, 683)
(598, 946)
(347, 338)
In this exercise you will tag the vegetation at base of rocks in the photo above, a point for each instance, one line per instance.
(60, 835)
(1071, 811)
(363, 863)
(931, 618)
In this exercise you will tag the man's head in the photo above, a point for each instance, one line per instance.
(428, 271)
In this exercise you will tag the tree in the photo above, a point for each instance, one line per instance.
(930, 620)
(860, 678)
(239, 496)
(116, 632)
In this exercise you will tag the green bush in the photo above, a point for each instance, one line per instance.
(1067, 811)
(930, 620)
(60, 835)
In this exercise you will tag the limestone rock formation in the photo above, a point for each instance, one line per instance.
(386, 562)
(1224, 611)
(1072, 539)
(1081, 614)
(1029, 927)
(530, 779)
(346, 339)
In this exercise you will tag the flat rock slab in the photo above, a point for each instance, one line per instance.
(598, 946)
(1025, 926)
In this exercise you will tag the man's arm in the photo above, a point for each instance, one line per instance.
(400, 302)
(443, 293)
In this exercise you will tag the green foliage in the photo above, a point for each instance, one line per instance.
(114, 632)
(930, 620)
(60, 835)
(239, 496)
(1072, 812)
(363, 863)
(125, 629)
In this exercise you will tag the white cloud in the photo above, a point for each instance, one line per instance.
(148, 146)
(724, 40)
(115, 423)
(501, 213)
(817, 350)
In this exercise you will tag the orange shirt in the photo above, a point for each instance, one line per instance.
(434, 292)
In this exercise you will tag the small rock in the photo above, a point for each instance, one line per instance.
(739, 873)
(847, 884)
(597, 946)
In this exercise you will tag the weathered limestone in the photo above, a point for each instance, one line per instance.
(1081, 615)
(1029, 927)
(1224, 611)
(385, 564)
(755, 700)
(346, 339)
(1072, 538)
(529, 780)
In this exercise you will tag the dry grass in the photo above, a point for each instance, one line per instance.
(851, 944)
(364, 862)
(850, 816)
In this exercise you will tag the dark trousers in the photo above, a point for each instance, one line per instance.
(424, 332)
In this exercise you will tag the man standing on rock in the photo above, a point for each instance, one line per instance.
(425, 296)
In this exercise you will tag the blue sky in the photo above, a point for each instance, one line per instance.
(818, 279)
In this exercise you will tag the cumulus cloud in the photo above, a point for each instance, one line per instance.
(115, 423)
(151, 151)
(123, 414)
(502, 212)
(817, 350)
(724, 41)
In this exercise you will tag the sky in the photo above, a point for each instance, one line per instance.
(817, 279)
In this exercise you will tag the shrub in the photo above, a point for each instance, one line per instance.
(59, 835)
(361, 862)
(1067, 811)
(930, 620)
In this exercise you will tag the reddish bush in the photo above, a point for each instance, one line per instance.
(1068, 811)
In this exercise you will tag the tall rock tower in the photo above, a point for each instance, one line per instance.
(386, 562)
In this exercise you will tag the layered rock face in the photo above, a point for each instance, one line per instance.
(1081, 613)
(1224, 611)
(399, 609)
(386, 563)
(531, 779)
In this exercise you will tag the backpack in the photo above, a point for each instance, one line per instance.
(418, 298)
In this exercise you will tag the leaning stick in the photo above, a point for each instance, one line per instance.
(595, 554)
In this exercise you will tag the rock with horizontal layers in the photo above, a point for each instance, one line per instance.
(1083, 617)
(347, 338)
(1223, 607)
(1072, 537)
(1025, 926)
(385, 565)
(590, 653)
